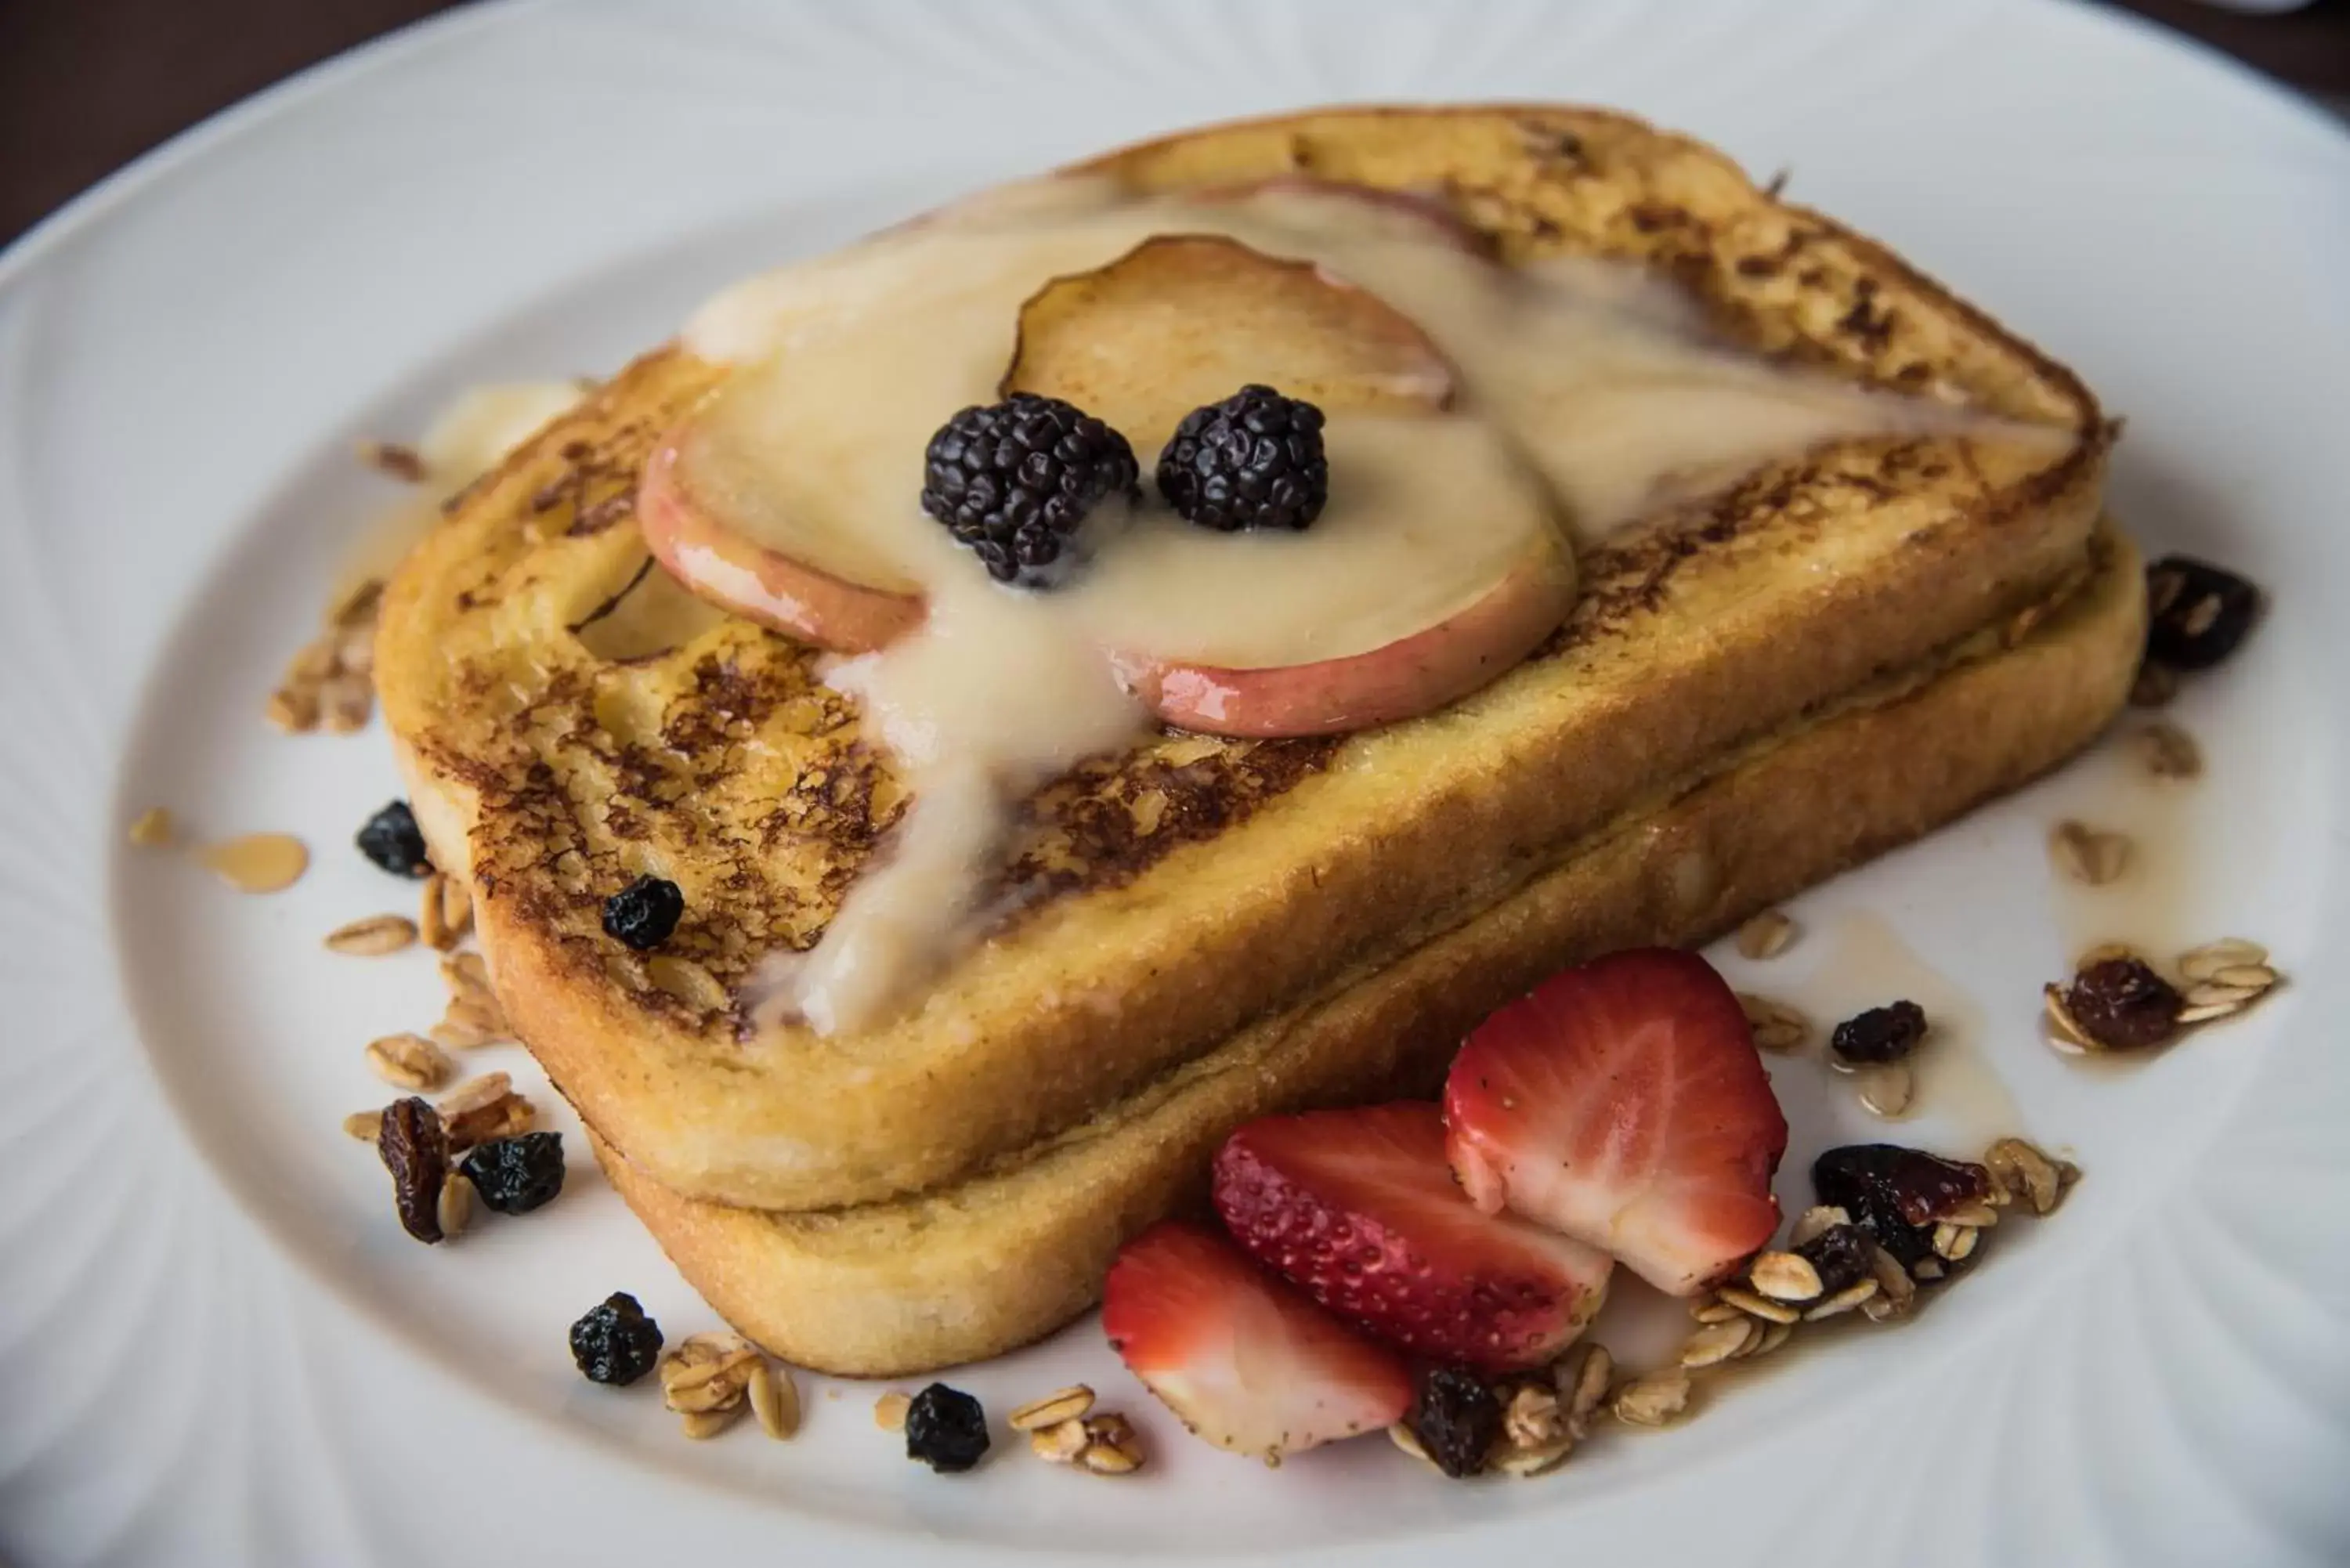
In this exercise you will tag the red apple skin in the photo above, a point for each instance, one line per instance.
(725, 566)
(1414, 675)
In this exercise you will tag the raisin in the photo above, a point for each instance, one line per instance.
(415, 1149)
(615, 1342)
(392, 840)
(517, 1175)
(1456, 1418)
(945, 1428)
(2122, 1004)
(642, 915)
(1840, 1256)
(2197, 613)
(1881, 1034)
(1895, 1194)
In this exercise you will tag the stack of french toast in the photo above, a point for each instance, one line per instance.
(1758, 685)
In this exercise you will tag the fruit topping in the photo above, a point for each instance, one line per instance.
(1881, 1034)
(517, 1175)
(1253, 461)
(1014, 479)
(1839, 1255)
(415, 1147)
(1179, 321)
(2197, 612)
(1358, 1208)
(643, 914)
(392, 840)
(946, 1429)
(615, 1342)
(1624, 1103)
(1456, 1418)
(1895, 1194)
(2117, 1003)
(1241, 1359)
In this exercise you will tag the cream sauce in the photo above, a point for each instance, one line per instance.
(1587, 394)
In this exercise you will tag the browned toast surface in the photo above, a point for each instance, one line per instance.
(976, 1269)
(1159, 902)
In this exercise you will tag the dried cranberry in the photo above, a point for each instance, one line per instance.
(1895, 1194)
(2122, 1004)
(1840, 1254)
(1881, 1034)
(2196, 612)
(1456, 1419)
(415, 1149)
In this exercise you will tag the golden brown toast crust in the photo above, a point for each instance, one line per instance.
(975, 1270)
(1157, 902)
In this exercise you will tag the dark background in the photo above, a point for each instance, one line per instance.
(87, 85)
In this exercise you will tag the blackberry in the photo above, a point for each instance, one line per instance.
(517, 1175)
(2197, 612)
(616, 1343)
(945, 1428)
(643, 914)
(392, 840)
(1896, 1194)
(1253, 461)
(1456, 1418)
(1881, 1034)
(1015, 478)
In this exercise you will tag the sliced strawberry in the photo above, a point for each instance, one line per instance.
(1246, 1362)
(1624, 1103)
(1358, 1208)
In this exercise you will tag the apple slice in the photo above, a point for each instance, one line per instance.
(1186, 319)
(688, 534)
(1183, 320)
(1418, 673)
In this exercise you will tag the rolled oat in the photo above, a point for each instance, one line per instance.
(1766, 936)
(1652, 1399)
(1065, 1404)
(372, 936)
(1777, 1026)
(408, 1061)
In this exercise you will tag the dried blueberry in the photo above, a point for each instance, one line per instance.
(517, 1175)
(1456, 1418)
(1881, 1034)
(1840, 1255)
(2197, 612)
(2121, 1004)
(1895, 1194)
(415, 1147)
(644, 913)
(392, 840)
(616, 1343)
(945, 1428)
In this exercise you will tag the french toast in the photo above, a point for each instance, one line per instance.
(976, 1269)
(1163, 903)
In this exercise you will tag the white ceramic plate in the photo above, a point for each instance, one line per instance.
(217, 1347)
